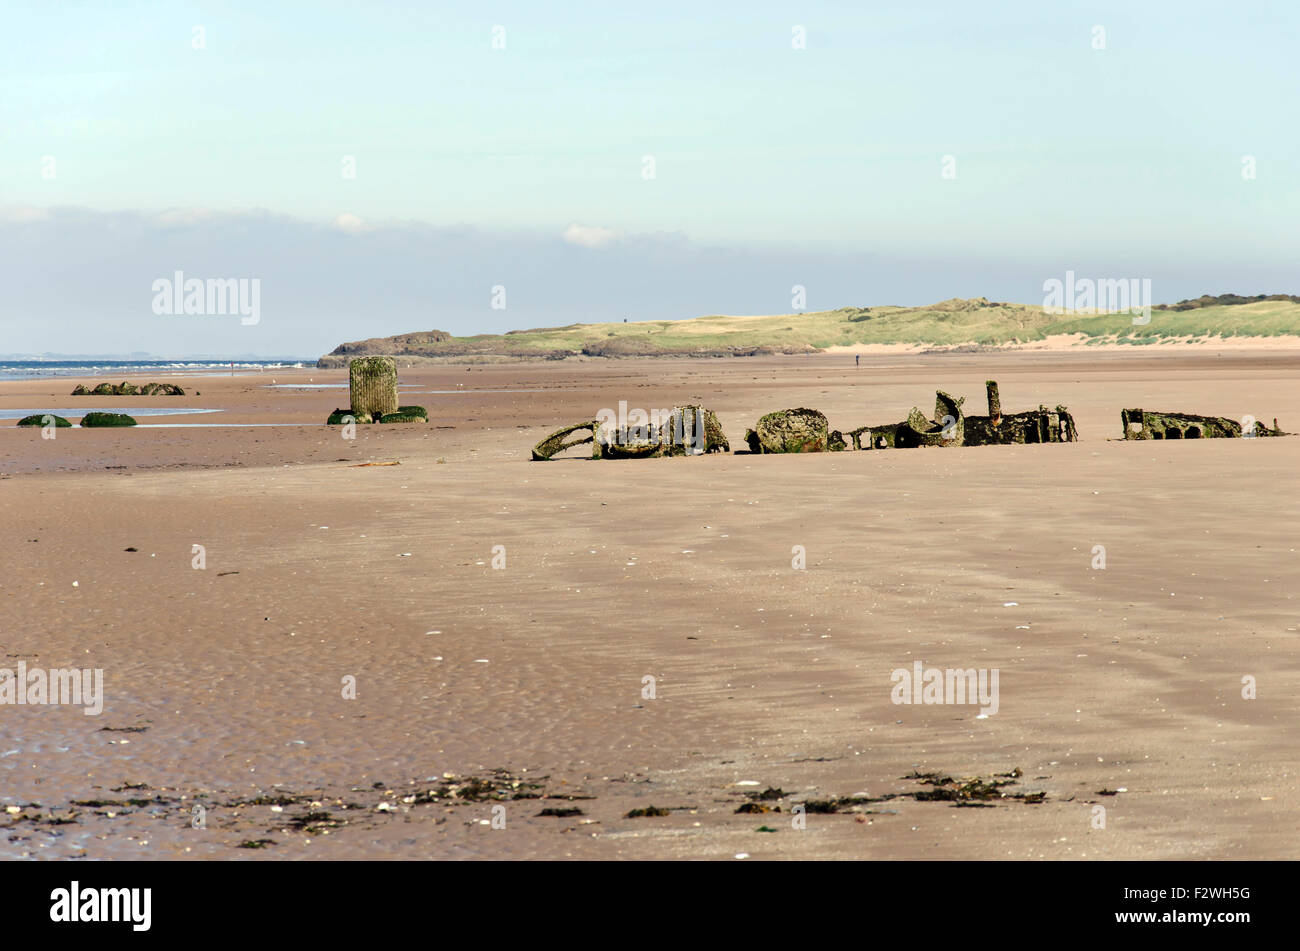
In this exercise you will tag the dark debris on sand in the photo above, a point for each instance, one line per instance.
(276, 816)
(969, 793)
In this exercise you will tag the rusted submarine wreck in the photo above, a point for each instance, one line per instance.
(694, 430)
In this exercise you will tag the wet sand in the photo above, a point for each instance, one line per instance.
(319, 569)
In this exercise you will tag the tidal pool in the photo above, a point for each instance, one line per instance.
(76, 412)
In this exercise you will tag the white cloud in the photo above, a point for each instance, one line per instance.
(183, 216)
(589, 236)
(350, 223)
(23, 213)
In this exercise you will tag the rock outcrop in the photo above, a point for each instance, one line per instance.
(403, 414)
(130, 389)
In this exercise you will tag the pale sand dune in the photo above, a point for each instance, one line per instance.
(1069, 342)
(1126, 677)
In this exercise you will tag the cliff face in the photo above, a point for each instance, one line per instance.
(438, 346)
(387, 346)
(441, 347)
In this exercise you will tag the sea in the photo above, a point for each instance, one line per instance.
(36, 369)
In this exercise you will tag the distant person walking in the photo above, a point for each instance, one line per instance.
(857, 359)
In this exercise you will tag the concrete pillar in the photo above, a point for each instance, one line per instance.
(373, 386)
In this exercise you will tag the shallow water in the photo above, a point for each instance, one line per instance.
(320, 386)
(403, 386)
(40, 369)
(216, 425)
(79, 411)
(536, 389)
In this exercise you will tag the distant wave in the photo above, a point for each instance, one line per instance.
(35, 369)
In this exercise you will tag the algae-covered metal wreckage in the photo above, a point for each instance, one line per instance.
(802, 430)
(1144, 424)
(693, 430)
(680, 431)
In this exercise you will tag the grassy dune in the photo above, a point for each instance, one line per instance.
(947, 324)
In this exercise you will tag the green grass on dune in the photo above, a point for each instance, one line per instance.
(1265, 319)
(945, 324)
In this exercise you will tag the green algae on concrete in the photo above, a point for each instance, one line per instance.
(341, 417)
(403, 414)
(45, 419)
(93, 420)
(372, 385)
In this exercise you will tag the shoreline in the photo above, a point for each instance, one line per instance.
(1061, 343)
(87, 370)
(1057, 343)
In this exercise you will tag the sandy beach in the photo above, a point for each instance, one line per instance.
(484, 696)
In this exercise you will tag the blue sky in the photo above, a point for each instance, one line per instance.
(772, 165)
